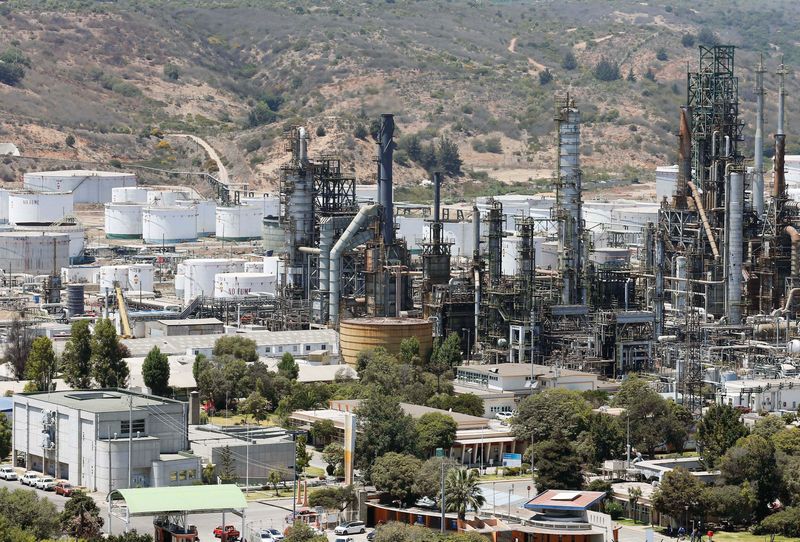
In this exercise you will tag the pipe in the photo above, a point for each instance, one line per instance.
(758, 151)
(727, 146)
(735, 246)
(684, 161)
(714, 136)
(706, 226)
(358, 222)
(309, 250)
(386, 149)
(779, 169)
(794, 235)
(789, 298)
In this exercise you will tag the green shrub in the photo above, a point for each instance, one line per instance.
(569, 62)
(614, 509)
(360, 132)
(661, 54)
(320, 131)
(605, 70)
(171, 72)
(687, 40)
(545, 76)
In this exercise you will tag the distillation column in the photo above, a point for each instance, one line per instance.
(568, 201)
(758, 151)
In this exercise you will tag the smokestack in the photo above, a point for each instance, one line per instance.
(781, 95)
(303, 146)
(476, 233)
(758, 151)
(437, 205)
(779, 181)
(386, 149)
(684, 161)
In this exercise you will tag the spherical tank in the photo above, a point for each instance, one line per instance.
(140, 277)
(123, 220)
(35, 253)
(206, 215)
(130, 194)
(238, 223)
(38, 208)
(85, 186)
(358, 334)
(169, 224)
(199, 275)
(162, 198)
(233, 285)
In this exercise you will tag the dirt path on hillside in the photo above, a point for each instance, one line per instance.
(222, 170)
(512, 47)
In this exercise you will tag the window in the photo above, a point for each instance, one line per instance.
(138, 427)
(173, 476)
(324, 347)
(191, 474)
(267, 349)
(294, 348)
(308, 348)
(280, 349)
(182, 475)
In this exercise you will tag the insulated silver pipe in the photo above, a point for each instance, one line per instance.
(735, 246)
(758, 151)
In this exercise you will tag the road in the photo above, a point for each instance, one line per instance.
(222, 172)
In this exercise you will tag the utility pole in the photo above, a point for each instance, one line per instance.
(628, 439)
(247, 462)
(130, 440)
(442, 500)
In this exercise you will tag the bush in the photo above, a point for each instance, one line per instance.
(707, 37)
(649, 74)
(171, 72)
(687, 40)
(614, 509)
(605, 70)
(70, 140)
(260, 114)
(11, 74)
(321, 131)
(491, 144)
(360, 132)
(545, 76)
(115, 163)
(569, 62)
(661, 54)
(252, 145)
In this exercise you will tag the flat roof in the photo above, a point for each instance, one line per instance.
(102, 400)
(560, 499)
(147, 501)
(522, 369)
(190, 322)
(464, 421)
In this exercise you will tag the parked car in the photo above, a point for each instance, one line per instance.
(64, 488)
(45, 483)
(271, 534)
(7, 472)
(371, 535)
(353, 527)
(344, 539)
(231, 532)
(29, 478)
(504, 415)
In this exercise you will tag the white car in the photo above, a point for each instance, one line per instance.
(504, 415)
(29, 478)
(7, 472)
(46, 483)
(343, 539)
(354, 527)
(271, 534)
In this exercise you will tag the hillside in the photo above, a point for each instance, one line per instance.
(238, 72)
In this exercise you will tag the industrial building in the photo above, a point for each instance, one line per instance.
(104, 439)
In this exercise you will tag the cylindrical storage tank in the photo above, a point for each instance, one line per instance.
(79, 274)
(238, 223)
(199, 275)
(3, 206)
(75, 299)
(206, 215)
(253, 267)
(123, 221)
(269, 205)
(109, 274)
(140, 277)
(76, 232)
(38, 208)
(169, 224)
(234, 285)
(180, 284)
(85, 186)
(358, 334)
(162, 198)
(35, 253)
(129, 194)
(273, 234)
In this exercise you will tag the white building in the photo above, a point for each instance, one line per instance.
(767, 395)
(85, 437)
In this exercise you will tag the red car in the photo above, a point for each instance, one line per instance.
(230, 532)
(64, 488)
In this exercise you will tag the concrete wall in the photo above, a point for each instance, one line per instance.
(264, 458)
(177, 472)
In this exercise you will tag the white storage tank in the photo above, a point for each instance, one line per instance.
(76, 233)
(269, 205)
(549, 258)
(234, 285)
(141, 277)
(610, 255)
(273, 234)
(38, 208)
(199, 275)
(666, 182)
(253, 267)
(129, 194)
(273, 265)
(36, 253)
(162, 198)
(79, 274)
(123, 220)
(3, 206)
(206, 215)
(169, 224)
(85, 186)
(180, 284)
(109, 274)
(238, 223)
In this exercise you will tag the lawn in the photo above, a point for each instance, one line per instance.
(744, 536)
(236, 419)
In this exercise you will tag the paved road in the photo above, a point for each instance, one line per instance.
(222, 174)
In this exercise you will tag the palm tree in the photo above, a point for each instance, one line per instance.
(462, 492)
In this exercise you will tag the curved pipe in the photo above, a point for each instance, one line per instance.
(358, 222)
(789, 298)
(706, 226)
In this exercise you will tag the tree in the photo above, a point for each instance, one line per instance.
(5, 437)
(333, 456)
(261, 114)
(236, 347)
(463, 492)
(70, 140)
(227, 466)
(29, 513)
(275, 478)
(302, 457)
(12, 66)
(447, 156)
(651, 417)
(155, 371)
(650, 75)
(256, 406)
(661, 54)
(108, 366)
(320, 131)
(634, 494)
(360, 132)
(81, 517)
(334, 498)
(323, 431)
(448, 352)
(552, 411)
(427, 481)
(42, 364)
(787, 441)
(569, 62)
(753, 460)
(76, 364)
(557, 465)
(733, 504)
(301, 531)
(614, 509)
(409, 351)
(395, 531)
(605, 70)
(718, 430)
(680, 493)
(171, 72)
(604, 439)
(768, 426)
(435, 430)
(707, 37)
(288, 367)
(384, 427)
(687, 40)
(465, 403)
(786, 522)
(131, 536)
(631, 78)
(545, 76)
(18, 347)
